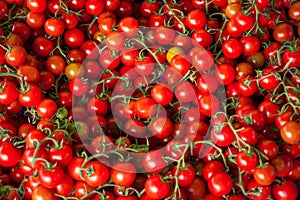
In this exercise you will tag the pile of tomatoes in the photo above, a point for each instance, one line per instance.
(149, 100)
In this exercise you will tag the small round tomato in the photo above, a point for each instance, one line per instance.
(8, 92)
(41, 192)
(161, 127)
(265, 175)
(220, 184)
(286, 190)
(51, 177)
(31, 97)
(283, 31)
(16, 56)
(123, 173)
(185, 175)
(247, 86)
(95, 173)
(156, 187)
(290, 132)
(46, 108)
(9, 154)
(196, 19)
(54, 27)
(232, 48)
(145, 107)
(246, 160)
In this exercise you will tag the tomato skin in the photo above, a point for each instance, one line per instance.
(251, 45)
(197, 189)
(98, 176)
(247, 86)
(290, 132)
(46, 108)
(246, 161)
(51, 178)
(65, 187)
(225, 74)
(287, 190)
(31, 97)
(129, 26)
(9, 155)
(16, 56)
(145, 107)
(196, 19)
(232, 48)
(223, 137)
(156, 188)
(265, 175)
(123, 173)
(283, 32)
(220, 184)
(62, 156)
(162, 94)
(161, 127)
(153, 161)
(186, 175)
(74, 168)
(36, 6)
(265, 190)
(8, 93)
(43, 193)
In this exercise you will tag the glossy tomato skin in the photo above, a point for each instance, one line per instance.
(51, 178)
(287, 190)
(99, 176)
(123, 173)
(10, 155)
(156, 187)
(220, 184)
(290, 132)
(31, 97)
(8, 93)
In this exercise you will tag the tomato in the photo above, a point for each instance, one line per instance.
(54, 27)
(196, 19)
(247, 86)
(283, 32)
(36, 6)
(46, 108)
(286, 190)
(96, 173)
(123, 173)
(74, 168)
(290, 132)
(225, 74)
(197, 189)
(247, 160)
(62, 155)
(81, 189)
(185, 175)
(283, 164)
(73, 37)
(16, 56)
(161, 127)
(78, 87)
(265, 175)
(222, 136)
(265, 191)
(268, 79)
(129, 26)
(251, 45)
(56, 64)
(98, 106)
(65, 187)
(185, 92)
(144, 66)
(293, 11)
(43, 193)
(50, 177)
(232, 48)
(31, 97)
(164, 35)
(156, 187)
(42, 46)
(244, 22)
(149, 7)
(220, 184)
(145, 107)
(8, 93)
(208, 104)
(269, 148)
(10, 155)
(153, 161)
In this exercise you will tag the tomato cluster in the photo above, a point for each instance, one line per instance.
(157, 99)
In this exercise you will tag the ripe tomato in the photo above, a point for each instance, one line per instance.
(196, 19)
(123, 174)
(51, 177)
(31, 97)
(220, 184)
(185, 175)
(9, 154)
(247, 161)
(265, 175)
(286, 190)
(161, 127)
(156, 187)
(145, 107)
(232, 48)
(8, 92)
(41, 192)
(95, 173)
(290, 132)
